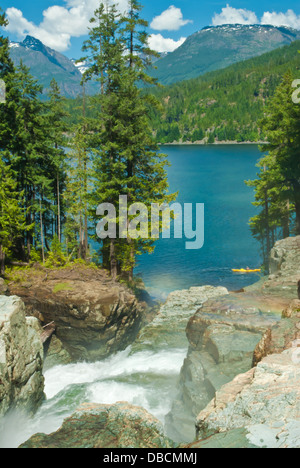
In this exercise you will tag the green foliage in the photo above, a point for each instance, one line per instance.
(35, 255)
(62, 287)
(12, 217)
(56, 256)
(277, 189)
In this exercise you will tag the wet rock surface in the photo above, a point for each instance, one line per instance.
(21, 358)
(105, 426)
(233, 404)
(235, 438)
(167, 330)
(222, 341)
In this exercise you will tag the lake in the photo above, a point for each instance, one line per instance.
(213, 175)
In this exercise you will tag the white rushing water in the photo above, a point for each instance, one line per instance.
(144, 378)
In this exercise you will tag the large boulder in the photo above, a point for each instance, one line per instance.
(21, 358)
(264, 402)
(94, 315)
(105, 426)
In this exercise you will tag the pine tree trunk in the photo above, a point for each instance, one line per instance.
(42, 232)
(130, 171)
(85, 210)
(113, 260)
(29, 221)
(58, 210)
(80, 253)
(286, 226)
(86, 245)
(297, 209)
(2, 261)
(47, 246)
(268, 240)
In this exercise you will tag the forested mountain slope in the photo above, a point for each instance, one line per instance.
(224, 105)
(217, 47)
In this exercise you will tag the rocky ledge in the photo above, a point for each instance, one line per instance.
(167, 329)
(105, 426)
(94, 315)
(264, 403)
(21, 358)
(222, 338)
(231, 333)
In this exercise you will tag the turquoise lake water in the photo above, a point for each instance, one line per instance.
(213, 175)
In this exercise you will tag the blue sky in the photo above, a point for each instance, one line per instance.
(62, 24)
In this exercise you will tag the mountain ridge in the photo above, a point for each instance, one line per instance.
(216, 47)
(212, 48)
(46, 63)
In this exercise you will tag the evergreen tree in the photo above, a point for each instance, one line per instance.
(8, 124)
(126, 160)
(57, 126)
(282, 128)
(77, 195)
(30, 157)
(31, 144)
(277, 189)
(12, 217)
(275, 218)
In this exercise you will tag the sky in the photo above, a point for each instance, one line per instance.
(63, 24)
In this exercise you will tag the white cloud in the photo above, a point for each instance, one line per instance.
(59, 23)
(289, 19)
(161, 44)
(231, 15)
(170, 20)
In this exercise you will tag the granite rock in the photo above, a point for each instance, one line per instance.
(167, 329)
(265, 401)
(21, 358)
(105, 426)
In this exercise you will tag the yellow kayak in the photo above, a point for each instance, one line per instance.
(242, 270)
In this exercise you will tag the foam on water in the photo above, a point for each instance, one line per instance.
(121, 364)
(145, 378)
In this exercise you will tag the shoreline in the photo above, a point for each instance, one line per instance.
(216, 143)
